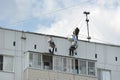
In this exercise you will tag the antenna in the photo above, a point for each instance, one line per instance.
(87, 20)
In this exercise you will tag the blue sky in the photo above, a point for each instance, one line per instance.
(60, 17)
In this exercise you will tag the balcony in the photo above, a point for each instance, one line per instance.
(45, 66)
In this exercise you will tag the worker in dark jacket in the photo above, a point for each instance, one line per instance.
(52, 46)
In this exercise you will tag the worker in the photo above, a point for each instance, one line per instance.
(52, 46)
(73, 47)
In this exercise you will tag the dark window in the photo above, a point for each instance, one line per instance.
(47, 62)
(14, 43)
(95, 55)
(115, 58)
(76, 66)
(35, 46)
(1, 62)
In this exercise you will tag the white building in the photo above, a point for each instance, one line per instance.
(25, 56)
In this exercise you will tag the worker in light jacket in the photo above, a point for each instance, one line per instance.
(74, 46)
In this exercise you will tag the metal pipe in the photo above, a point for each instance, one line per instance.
(87, 20)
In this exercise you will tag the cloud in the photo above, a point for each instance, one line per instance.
(59, 30)
(111, 4)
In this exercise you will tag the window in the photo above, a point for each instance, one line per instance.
(30, 59)
(47, 62)
(95, 55)
(40, 61)
(104, 74)
(14, 43)
(115, 58)
(68, 64)
(6, 63)
(63, 64)
(71, 65)
(91, 68)
(82, 67)
(76, 66)
(35, 46)
(57, 63)
(1, 62)
(64, 61)
(35, 60)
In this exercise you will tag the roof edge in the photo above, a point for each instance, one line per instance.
(59, 37)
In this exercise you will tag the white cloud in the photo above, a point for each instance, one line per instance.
(57, 28)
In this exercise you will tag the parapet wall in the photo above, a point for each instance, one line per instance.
(36, 74)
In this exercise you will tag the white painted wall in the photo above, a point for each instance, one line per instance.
(115, 75)
(6, 76)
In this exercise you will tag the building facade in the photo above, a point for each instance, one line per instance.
(26, 56)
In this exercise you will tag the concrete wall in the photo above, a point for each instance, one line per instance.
(35, 74)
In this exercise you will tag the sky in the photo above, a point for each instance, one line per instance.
(61, 17)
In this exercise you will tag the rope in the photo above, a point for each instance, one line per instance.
(84, 36)
(76, 25)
